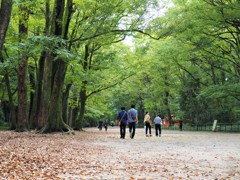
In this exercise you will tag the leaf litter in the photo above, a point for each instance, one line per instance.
(93, 154)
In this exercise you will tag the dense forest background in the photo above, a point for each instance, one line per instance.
(65, 64)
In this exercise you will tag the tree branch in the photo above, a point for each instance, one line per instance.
(118, 31)
(183, 68)
(110, 85)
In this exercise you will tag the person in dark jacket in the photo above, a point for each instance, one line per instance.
(100, 125)
(105, 125)
(123, 118)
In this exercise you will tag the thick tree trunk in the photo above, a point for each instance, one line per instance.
(22, 95)
(55, 75)
(41, 99)
(22, 122)
(5, 15)
(45, 107)
(35, 108)
(46, 93)
(55, 116)
(55, 119)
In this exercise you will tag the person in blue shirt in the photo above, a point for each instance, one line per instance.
(123, 117)
(132, 120)
(158, 125)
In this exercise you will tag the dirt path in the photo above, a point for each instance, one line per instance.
(177, 155)
(97, 154)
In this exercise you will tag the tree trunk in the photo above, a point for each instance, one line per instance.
(166, 99)
(22, 71)
(46, 92)
(70, 113)
(74, 113)
(166, 105)
(83, 92)
(65, 103)
(37, 93)
(55, 73)
(43, 80)
(5, 15)
(33, 86)
(141, 108)
(55, 116)
(12, 113)
(74, 117)
(83, 100)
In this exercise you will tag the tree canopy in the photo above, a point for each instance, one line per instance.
(65, 65)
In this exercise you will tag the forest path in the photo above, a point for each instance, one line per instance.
(95, 154)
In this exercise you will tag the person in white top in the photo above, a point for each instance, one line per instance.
(147, 123)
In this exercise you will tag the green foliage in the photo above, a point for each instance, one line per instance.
(192, 71)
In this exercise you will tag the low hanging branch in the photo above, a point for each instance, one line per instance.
(110, 86)
(118, 31)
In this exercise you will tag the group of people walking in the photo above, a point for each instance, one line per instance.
(148, 125)
(130, 118)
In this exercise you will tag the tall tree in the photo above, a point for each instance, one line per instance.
(5, 16)
(38, 113)
(50, 117)
(22, 123)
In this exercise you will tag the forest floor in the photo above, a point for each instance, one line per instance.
(94, 154)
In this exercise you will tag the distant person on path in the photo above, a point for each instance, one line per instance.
(105, 125)
(100, 124)
(123, 118)
(147, 123)
(181, 124)
(158, 125)
(132, 120)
